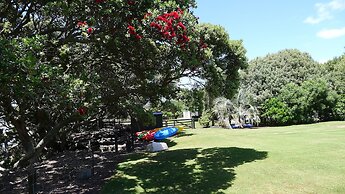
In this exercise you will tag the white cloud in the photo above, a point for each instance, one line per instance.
(325, 11)
(331, 33)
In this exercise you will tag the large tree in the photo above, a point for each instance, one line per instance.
(221, 67)
(334, 72)
(266, 76)
(311, 101)
(64, 62)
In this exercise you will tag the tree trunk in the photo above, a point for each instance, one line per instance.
(43, 142)
(32, 178)
(29, 149)
(227, 122)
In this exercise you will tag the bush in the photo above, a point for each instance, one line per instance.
(309, 102)
(205, 119)
(276, 112)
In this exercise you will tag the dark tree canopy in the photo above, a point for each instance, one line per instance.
(65, 63)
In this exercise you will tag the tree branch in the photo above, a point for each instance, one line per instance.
(43, 142)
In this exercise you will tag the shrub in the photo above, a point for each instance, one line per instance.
(276, 112)
(205, 119)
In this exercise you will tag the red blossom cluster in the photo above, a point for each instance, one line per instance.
(81, 24)
(100, 1)
(131, 2)
(131, 30)
(81, 111)
(202, 44)
(89, 30)
(170, 26)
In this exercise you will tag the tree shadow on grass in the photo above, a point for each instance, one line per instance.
(170, 143)
(181, 171)
(183, 134)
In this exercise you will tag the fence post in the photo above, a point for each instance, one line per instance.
(193, 123)
(116, 144)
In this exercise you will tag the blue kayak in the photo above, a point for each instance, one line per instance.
(247, 125)
(165, 133)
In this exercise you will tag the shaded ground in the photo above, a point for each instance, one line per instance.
(208, 170)
(65, 173)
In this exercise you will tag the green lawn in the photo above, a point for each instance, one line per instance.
(294, 159)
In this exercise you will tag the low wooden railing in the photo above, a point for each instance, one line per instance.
(189, 123)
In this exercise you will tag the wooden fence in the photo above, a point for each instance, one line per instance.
(188, 123)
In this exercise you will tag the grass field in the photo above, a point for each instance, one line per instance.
(293, 159)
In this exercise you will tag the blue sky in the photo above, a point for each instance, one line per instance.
(267, 26)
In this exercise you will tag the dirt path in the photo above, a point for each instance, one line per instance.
(65, 173)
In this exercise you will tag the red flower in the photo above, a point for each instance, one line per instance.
(161, 18)
(80, 23)
(89, 30)
(138, 37)
(130, 2)
(180, 11)
(82, 111)
(175, 15)
(147, 15)
(181, 26)
(131, 29)
(167, 28)
(153, 24)
(185, 38)
(100, 1)
(166, 34)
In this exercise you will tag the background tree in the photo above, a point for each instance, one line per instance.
(312, 101)
(220, 69)
(276, 112)
(266, 76)
(334, 72)
(192, 99)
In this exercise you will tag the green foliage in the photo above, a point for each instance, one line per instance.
(312, 101)
(290, 87)
(145, 118)
(67, 62)
(340, 107)
(266, 76)
(64, 63)
(170, 108)
(334, 73)
(225, 58)
(205, 119)
(276, 112)
(192, 99)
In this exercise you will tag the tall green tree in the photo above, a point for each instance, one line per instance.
(266, 76)
(334, 73)
(224, 59)
(192, 99)
(312, 101)
(64, 62)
